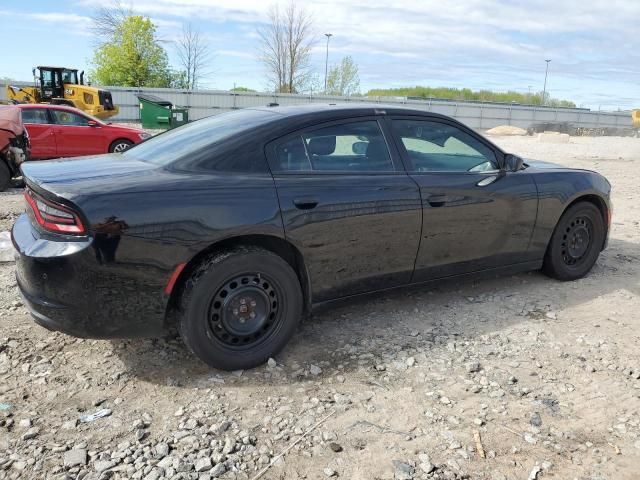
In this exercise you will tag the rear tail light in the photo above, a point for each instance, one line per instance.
(52, 216)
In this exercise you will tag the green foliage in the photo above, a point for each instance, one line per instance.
(468, 94)
(242, 89)
(133, 57)
(343, 79)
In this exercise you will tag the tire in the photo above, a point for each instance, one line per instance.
(240, 307)
(120, 145)
(576, 243)
(5, 176)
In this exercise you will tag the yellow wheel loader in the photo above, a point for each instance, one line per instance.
(60, 86)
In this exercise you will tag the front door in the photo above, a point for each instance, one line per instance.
(41, 132)
(349, 206)
(74, 135)
(476, 216)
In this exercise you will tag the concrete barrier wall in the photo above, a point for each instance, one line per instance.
(480, 116)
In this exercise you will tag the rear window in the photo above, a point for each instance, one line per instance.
(198, 138)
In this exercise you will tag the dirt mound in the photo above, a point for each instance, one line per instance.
(506, 130)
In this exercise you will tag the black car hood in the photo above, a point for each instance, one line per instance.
(542, 164)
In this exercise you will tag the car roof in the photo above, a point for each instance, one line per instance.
(347, 109)
(48, 105)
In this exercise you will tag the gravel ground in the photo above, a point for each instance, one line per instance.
(513, 378)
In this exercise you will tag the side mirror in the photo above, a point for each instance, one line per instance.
(360, 148)
(92, 123)
(513, 163)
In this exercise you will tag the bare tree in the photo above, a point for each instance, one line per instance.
(285, 47)
(343, 79)
(194, 56)
(107, 19)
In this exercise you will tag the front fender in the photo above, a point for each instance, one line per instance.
(557, 190)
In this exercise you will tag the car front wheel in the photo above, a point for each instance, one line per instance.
(576, 242)
(120, 146)
(240, 307)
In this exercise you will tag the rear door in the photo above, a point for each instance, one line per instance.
(476, 216)
(41, 132)
(74, 136)
(348, 205)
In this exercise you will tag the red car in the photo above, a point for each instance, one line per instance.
(61, 131)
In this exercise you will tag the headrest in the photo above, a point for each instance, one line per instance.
(322, 145)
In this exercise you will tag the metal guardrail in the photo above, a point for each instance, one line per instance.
(480, 116)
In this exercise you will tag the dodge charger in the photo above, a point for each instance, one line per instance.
(234, 227)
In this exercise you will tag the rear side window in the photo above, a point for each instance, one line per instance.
(224, 142)
(349, 147)
(440, 147)
(35, 115)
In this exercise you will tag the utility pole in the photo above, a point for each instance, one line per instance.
(544, 90)
(326, 62)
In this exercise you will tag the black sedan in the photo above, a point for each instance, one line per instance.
(233, 227)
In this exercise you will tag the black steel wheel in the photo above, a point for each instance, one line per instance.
(244, 311)
(240, 307)
(576, 242)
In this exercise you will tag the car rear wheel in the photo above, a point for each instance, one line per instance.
(120, 146)
(576, 242)
(5, 176)
(239, 308)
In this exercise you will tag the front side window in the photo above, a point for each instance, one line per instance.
(63, 117)
(439, 147)
(349, 147)
(69, 76)
(34, 115)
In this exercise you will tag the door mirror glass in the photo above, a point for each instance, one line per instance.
(92, 123)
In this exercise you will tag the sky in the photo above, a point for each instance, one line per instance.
(594, 45)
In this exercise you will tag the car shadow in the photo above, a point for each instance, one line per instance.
(418, 320)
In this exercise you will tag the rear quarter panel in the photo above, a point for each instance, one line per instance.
(168, 221)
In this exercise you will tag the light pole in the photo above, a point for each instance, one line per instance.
(544, 90)
(326, 62)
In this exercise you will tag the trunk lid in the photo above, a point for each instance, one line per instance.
(96, 174)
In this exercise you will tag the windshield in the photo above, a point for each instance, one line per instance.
(188, 139)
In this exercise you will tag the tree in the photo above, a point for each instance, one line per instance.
(468, 94)
(285, 47)
(107, 20)
(132, 57)
(343, 79)
(194, 56)
(242, 89)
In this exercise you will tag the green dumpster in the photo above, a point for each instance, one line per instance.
(179, 116)
(158, 113)
(154, 111)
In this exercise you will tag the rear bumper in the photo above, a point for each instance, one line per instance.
(69, 287)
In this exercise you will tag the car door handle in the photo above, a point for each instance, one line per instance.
(305, 203)
(437, 200)
(487, 181)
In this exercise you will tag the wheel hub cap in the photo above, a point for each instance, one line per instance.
(244, 310)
